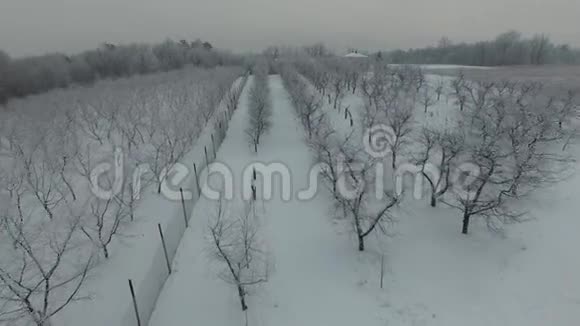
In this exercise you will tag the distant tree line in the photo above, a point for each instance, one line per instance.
(31, 75)
(509, 48)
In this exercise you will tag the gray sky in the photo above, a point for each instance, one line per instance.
(39, 26)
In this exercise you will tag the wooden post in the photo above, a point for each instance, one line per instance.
(164, 247)
(382, 269)
(206, 159)
(213, 146)
(196, 180)
(254, 192)
(135, 303)
(183, 206)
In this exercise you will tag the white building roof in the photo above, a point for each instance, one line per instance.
(355, 55)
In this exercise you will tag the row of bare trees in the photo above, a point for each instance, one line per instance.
(333, 77)
(504, 139)
(20, 77)
(260, 106)
(308, 104)
(235, 240)
(68, 187)
(499, 142)
(350, 173)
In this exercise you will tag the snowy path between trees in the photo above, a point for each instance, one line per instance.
(316, 277)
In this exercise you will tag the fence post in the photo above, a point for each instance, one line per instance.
(213, 146)
(183, 206)
(134, 303)
(382, 268)
(164, 247)
(197, 180)
(206, 159)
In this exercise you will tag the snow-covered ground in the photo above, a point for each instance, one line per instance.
(526, 276)
(447, 67)
(138, 255)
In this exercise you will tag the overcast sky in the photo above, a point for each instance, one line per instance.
(38, 26)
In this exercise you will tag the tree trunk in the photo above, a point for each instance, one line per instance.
(242, 296)
(433, 201)
(465, 228)
(361, 243)
(48, 211)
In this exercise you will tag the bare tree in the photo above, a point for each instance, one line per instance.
(426, 98)
(400, 120)
(260, 111)
(439, 87)
(236, 244)
(43, 180)
(337, 83)
(104, 221)
(357, 185)
(419, 78)
(446, 148)
(568, 109)
(513, 150)
(459, 91)
(479, 93)
(44, 272)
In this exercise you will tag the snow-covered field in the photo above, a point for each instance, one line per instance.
(447, 67)
(135, 251)
(527, 275)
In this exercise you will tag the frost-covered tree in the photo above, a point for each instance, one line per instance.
(361, 201)
(42, 267)
(511, 140)
(260, 110)
(235, 242)
(426, 98)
